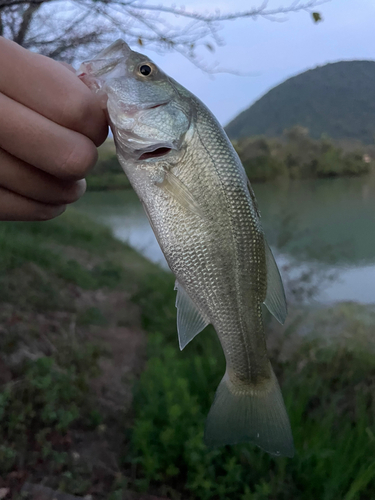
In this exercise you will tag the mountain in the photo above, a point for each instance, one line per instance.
(337, 99)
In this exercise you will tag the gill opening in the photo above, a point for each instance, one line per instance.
(155, 154)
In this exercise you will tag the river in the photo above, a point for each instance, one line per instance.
(329, 224)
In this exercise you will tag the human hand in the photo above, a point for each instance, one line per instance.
(50, 125)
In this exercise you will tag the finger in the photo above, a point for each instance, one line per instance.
(45, 145)
(67, 66)
(28, 181)
(16, 207)
(51, 90)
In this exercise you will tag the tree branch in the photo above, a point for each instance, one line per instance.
(76, 28)
(295, 6)
(27, 17)
(11, 3)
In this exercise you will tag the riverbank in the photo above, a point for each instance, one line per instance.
(71, 345)
(74, 304)
(295, 155)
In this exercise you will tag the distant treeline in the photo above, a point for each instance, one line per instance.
(294, 155)
(298, 156)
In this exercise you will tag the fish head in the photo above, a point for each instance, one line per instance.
(148, 116)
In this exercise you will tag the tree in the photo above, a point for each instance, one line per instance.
(75, 29)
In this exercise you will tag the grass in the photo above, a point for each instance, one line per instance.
(329, 394)
(56, 283)
(70, 248)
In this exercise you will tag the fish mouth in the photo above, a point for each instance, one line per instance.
(106, 61)
(157, 153)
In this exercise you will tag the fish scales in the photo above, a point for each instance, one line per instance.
(203, 212)
(199, 258)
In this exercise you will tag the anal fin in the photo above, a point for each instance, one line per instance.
(190, 320)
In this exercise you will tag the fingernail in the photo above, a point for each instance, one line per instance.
(81, 187)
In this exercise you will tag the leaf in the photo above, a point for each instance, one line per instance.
(316, 17)
(210, 47)
(140, 41)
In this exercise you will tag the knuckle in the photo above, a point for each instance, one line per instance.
(78, 112)
(79, 160)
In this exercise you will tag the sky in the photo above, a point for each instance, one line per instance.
(272, 52)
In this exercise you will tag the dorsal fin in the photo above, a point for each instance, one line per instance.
(253, 199)
(190, 321)
(275, 298)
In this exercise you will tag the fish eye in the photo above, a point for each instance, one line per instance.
(145, 69)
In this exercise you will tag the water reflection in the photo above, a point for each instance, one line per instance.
(330, 222)
(334, 219)
(124, 214)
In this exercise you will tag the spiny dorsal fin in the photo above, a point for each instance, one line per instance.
(275, 298)
(190, 320)
(253, 199)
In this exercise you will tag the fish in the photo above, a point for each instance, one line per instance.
(206, 219)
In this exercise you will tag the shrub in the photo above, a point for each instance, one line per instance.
(330, 163)
(263, 168)
(355, 165)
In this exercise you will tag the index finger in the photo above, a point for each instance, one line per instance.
(50, 89)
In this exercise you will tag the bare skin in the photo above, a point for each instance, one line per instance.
(50, 126)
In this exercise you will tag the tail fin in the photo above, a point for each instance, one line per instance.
(241, 414)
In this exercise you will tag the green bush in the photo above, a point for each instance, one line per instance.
(330, 163)
(333, 163)
(263, 168)
(355, 165)
(298, 156)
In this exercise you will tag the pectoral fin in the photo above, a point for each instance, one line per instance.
(275, 298)
(180, 192)
(190, 320)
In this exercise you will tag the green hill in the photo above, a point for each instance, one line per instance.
(337, 99)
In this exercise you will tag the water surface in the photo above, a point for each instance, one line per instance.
(328, 223)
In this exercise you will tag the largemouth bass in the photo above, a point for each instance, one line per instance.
(203, 212)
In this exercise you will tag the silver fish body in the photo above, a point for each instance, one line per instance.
(204, 214)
